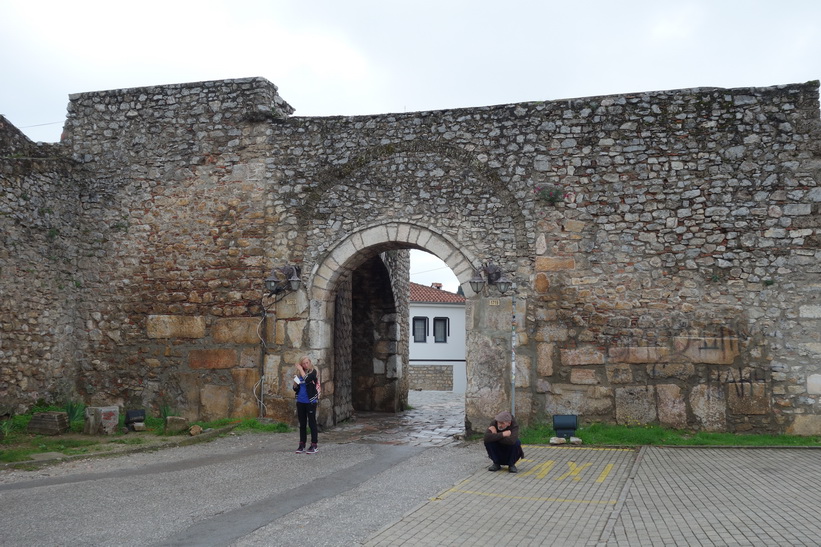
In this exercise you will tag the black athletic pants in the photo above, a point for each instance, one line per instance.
(307, 418)
(504, 454)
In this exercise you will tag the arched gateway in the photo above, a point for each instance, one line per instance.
(337, 272)
(664, 248)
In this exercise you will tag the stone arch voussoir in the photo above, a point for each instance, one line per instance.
(352, 250)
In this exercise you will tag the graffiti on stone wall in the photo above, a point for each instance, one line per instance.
(678, 352)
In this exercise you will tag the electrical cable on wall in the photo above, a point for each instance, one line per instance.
(261, 332)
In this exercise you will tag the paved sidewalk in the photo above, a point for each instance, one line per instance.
(583, 496)
(250, 490)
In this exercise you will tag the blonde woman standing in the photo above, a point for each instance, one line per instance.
(307, 389)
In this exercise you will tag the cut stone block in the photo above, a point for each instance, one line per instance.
(101, 420)
(48, 423)
(175, 424)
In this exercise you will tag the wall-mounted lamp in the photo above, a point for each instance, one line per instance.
(283, 279)
(492, 276)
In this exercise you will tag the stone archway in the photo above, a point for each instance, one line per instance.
(330, 286)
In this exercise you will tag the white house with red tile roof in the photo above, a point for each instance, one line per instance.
(437, 341)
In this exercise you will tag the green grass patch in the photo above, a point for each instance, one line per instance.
(246, 424)
(252, 424)
(38, 444)
(653, 435)
(18, 445)
(128, 441)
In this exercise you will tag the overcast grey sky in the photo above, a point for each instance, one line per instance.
(349, 57)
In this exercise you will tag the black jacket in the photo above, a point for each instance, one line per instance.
(499, 438)
(311, 386)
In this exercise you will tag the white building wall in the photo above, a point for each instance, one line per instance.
(451, 352)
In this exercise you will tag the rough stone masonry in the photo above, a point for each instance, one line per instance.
(664, 249)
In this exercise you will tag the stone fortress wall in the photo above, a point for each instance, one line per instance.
(675, 281)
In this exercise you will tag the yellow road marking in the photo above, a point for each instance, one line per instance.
(540, 470)
(603, 475)
(531, 498)
(574, 471)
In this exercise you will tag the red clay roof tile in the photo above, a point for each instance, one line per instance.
(421, 293)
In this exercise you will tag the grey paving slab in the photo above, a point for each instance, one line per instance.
(615, 497)
(722, 496)
(562, 494)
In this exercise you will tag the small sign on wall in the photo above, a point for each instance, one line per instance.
(493, 302)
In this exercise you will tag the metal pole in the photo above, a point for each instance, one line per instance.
(513, 354)
(264, 352)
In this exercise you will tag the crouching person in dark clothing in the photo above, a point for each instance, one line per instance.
(502, 442)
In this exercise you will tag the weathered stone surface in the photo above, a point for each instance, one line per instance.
(552, 333)
(250, 357)
(239, 330)
(497, 318)
(103, 420)
(244, 404)
(566, 399)
(582, 356)
(709, 406)
(810, 311)
(524, 404)
(672, 409)
(748, 398)
(814, 384)
(486, 403)
(541, 284)
(619, 374)
(636, 405)
(431, 377)
(641, 354)
(175, 424)
(189, 385)
(544, 359)
(720, 351)
(283, 410)
(583, 376)
(554, 263)
(578, 399)
(286, 382)
(48, 423)
(175, 326)
(215, 402)
(213, 358)
(573, 226)
(705, 249)
(805, 424)
(281, 333)
(522, 371)
(681, 371)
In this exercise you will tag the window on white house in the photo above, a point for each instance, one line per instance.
(441, 329)
(420, 329)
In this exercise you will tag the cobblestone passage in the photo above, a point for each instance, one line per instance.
(436, 418)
